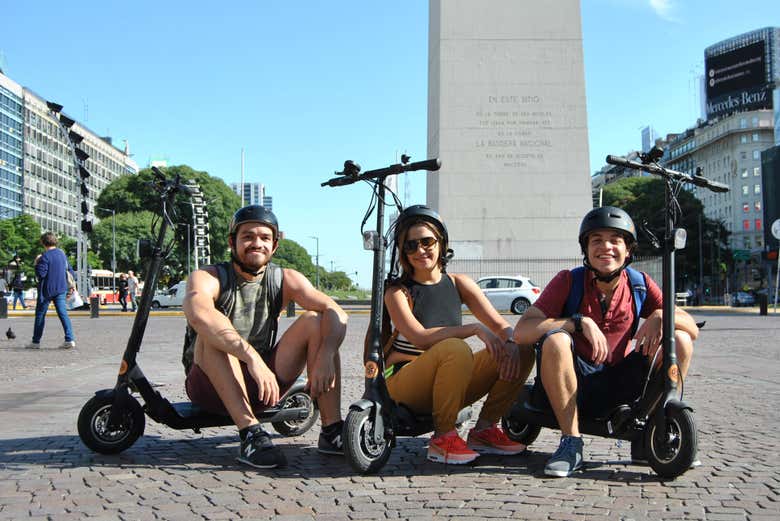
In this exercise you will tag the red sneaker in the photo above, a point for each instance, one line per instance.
(493, 441)
(450, 448)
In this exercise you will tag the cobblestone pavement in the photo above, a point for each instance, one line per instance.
(46, 473)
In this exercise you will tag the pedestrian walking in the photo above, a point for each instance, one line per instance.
(122, 288)
(17, 285)
(52, 268)
(3, 287)
(132, 288)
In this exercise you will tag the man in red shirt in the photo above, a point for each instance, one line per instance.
(585, 361)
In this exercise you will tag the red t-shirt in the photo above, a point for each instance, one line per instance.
(615, 324)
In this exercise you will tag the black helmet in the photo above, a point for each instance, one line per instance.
(420, 212)
(607, 217)
(256, 214)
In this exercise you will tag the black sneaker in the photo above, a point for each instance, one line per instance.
(331, 441)
(258, 451)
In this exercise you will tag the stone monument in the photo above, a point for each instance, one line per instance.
(506, 114)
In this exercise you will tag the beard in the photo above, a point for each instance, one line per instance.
(254, 262)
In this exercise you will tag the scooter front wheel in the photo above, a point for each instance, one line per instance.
(297, 427)
(519, 431)
(671, 451)
(364, 454)
(93, 425)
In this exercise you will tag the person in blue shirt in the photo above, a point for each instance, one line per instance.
(52, 268)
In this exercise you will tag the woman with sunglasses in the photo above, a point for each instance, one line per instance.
(430, 367)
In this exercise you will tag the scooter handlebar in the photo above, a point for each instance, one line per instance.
(429, 164)
(652, 168)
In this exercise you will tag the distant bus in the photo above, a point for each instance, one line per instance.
(103, 283)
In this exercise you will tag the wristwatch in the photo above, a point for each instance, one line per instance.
(577, 319)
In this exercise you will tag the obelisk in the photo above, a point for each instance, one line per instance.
(507, 117)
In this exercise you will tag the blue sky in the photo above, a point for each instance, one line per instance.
(304, 85)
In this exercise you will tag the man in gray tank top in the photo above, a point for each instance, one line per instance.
(236, 370)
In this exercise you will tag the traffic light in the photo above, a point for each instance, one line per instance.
(200, 225)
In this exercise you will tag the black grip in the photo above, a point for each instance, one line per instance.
(617, 160)
(711, 185)
(429, 164)
(339, 181)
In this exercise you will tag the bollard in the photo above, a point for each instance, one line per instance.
(291, 309)
(94, 307)
(3, 307)
(763, 301)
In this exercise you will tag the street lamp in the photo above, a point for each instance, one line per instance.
(189, 245)
(317, 259)
(113, 247)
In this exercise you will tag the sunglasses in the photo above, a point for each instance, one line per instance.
(427, 243)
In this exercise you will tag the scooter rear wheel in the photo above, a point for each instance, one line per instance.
(297, 427)
(519, 431)
(672, 452)
(363, 453)
(93, 425)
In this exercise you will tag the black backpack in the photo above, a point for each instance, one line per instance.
(227, 299)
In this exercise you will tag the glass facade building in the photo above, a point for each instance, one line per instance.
(254, 193)
(37, 170)
(11, 148)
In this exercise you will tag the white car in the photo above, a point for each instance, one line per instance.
(173, 296)
(506, 292)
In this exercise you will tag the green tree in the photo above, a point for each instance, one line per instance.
(643, 199)
(20, 236)
(290, 254)
(69, 246)
(133, 194)
(335, 280)
(130, 227)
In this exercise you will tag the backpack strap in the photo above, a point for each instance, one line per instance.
(638, 292)
(576, 292)
(274, 278)
(227, 281)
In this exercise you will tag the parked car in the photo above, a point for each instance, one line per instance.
(743, 298)
(515, 294)
(173, 296)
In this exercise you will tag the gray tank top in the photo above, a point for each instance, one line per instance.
(250, 312)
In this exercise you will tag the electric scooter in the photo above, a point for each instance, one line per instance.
(658, 422)
(113, 419)
(374, 421)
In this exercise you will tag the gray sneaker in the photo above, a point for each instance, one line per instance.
(33, 345)
(567, 459)
(68, 344)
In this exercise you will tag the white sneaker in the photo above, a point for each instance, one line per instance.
(33, 345)
(68, 344)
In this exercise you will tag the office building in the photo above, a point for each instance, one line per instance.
(770, 167)
(38, 175)
(728, 150)
(254, 193)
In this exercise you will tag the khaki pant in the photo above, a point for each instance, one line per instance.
(448, 376)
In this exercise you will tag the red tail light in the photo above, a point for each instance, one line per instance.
(536, 291)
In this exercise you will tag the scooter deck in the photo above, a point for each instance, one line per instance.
(189, 416)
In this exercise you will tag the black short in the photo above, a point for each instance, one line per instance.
(203, 394)
(600, 388)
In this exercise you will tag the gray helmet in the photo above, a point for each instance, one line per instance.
(607, 217)
(256, 214)
(422, 213)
